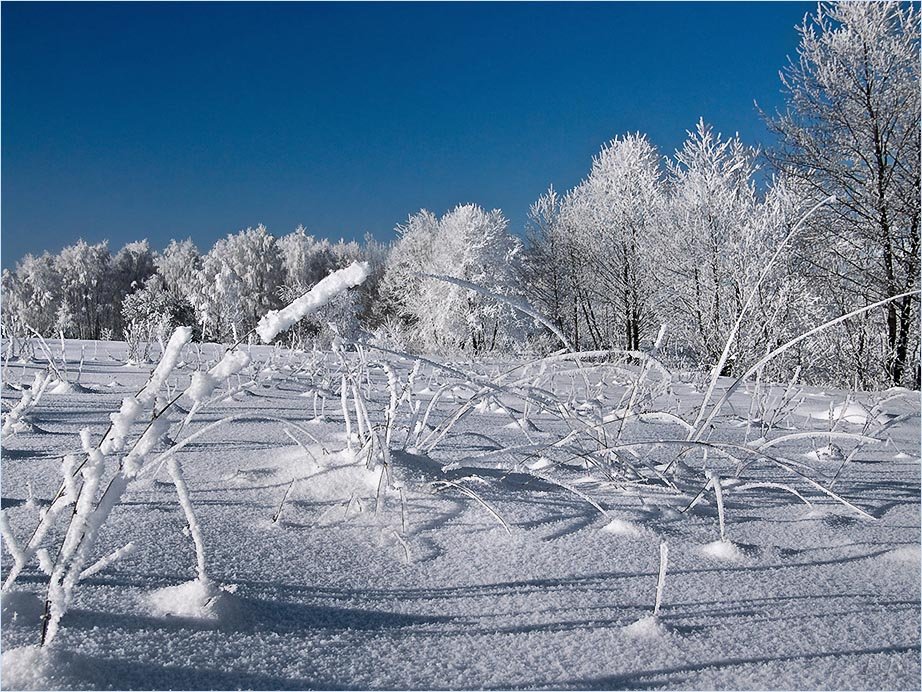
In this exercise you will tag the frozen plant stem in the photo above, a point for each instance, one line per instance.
(719, 495)
(195, 529)
(661, 579)
(278, 512)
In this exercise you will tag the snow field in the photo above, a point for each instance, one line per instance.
(422, 587)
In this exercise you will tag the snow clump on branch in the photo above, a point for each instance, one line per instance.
(276, 321)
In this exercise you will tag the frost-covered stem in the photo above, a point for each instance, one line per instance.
(66, 497)
(470, 493)
(104, 562)
(403, 544)
(412, 427)
(382, 487)
(718, 494)
(343, 398)
(86, 520)
(411, 382)
(48, 354)
(360, 417)
(301, 445)
(703, 425)
(18, 554)
(776, 486)
(661, 579)
(432, 402)
(403, 511)
(80, 364)
(182, 490)
(84, 524)
(278, 512)
(392, 403)
(28, 401)
(275, 322)
(63, 352)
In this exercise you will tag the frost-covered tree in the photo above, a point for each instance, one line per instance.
(549, 270)
(713, 249)
(85, 275)
(177, 266)
(238, 283)
(305, 260)
(851, 129)
(130, 268)
(612, 220)
(32, 297)
(467, 243)
(149, 314)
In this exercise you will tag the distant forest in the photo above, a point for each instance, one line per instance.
(686, 242)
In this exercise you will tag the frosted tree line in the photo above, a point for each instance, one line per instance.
(716, 234)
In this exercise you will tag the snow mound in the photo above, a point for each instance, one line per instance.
(539, 463)
(65, 387)
(20, 608)
(648, 627)
(202, 600)
(723, 550)
(852, 412)
(830, 452)
(336, 476)
(34, 668)
(619, 527)
(521, 425)
(25, 427)
(342, 481)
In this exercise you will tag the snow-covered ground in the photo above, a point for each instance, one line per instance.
(522, 549)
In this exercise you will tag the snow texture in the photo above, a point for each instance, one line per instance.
(423, 587)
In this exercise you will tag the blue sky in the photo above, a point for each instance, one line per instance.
(163, 120)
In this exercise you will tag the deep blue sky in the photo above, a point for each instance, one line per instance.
(126, 121)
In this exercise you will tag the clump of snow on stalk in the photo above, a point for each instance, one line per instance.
(204, 383)
(276, 321)
(171, 354)
(121, 424)
(133, 406)
(16, 420)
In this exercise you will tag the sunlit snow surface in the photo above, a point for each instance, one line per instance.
(345, 591)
